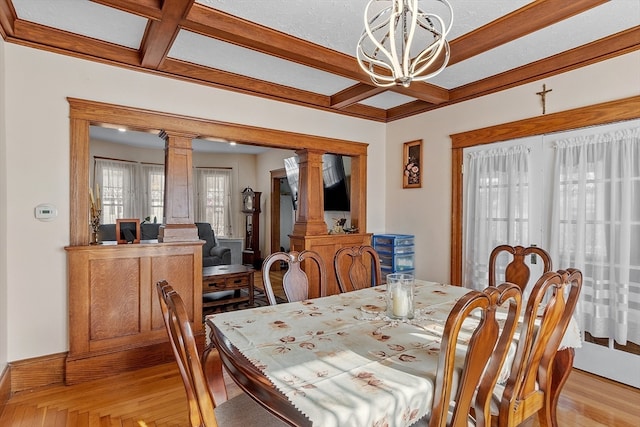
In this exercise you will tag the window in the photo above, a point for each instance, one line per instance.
(213, 199)
(153, 192)
(497, 204)
(595, 225)
(585, 196)
(130, 190)
(117, 181)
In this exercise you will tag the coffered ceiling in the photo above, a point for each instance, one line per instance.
(303, 51)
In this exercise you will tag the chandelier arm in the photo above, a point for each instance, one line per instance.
(412, 7)
(428, 56)
(371, 60)
(394, 19)
(439, 70)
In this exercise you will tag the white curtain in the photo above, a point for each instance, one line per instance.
(213, 199)
(595, 227)
(117, 181)
(496, 207)
(152, 194)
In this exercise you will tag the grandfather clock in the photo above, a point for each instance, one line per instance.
(251, 211)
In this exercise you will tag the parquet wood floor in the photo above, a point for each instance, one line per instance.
(155, 397)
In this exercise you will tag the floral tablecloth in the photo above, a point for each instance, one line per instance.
(340, 360)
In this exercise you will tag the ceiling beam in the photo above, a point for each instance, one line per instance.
(354, 94)
(159, 35)
(222, 26)
(526, 20)
(58, 41)
(151, 9)
(600, 50)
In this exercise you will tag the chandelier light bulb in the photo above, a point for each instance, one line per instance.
(402, 43)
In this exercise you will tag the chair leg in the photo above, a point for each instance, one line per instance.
(561, 368)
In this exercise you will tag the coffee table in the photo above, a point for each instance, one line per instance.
(222, 278)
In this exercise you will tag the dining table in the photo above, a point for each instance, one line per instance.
(340, 360)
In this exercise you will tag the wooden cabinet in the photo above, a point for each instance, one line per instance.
(115, 322)
(327, 245)
(222, 278)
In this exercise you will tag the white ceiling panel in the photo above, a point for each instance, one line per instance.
(85, 18)
(387, 100)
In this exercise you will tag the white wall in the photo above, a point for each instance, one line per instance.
(4, 324)
(37, 166)
(426, 212)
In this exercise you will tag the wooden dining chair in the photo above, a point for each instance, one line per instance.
(546, 319)
(357, 267)
(461, 390)
(206, 395)
(294, 281)
(517, 271)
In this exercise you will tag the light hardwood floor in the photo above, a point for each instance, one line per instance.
(155, 397)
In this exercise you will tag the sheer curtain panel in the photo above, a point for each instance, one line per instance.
(117, 181)
(496, 207)
(213, 199)
(152, 203)
(596, 228)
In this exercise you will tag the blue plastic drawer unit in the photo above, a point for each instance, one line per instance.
(396, 252)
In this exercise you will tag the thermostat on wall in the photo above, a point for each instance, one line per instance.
(46, 212)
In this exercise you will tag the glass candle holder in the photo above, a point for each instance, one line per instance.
(400, 290)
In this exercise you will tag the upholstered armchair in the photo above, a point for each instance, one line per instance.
(212, 252)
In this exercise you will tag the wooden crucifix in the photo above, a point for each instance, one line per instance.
(543, 96)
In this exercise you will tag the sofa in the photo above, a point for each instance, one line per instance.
(212, 252)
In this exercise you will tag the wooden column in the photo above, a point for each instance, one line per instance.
(310, 212)
(179, 218)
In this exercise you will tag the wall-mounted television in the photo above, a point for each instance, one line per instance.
(336, 188)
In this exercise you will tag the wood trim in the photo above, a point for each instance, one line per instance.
(598, 114)
(37, 372)
(5, 387)
(276, 176)
(456, 217)
(160, 34)
(84, 113)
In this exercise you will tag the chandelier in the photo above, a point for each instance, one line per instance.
(401, 43)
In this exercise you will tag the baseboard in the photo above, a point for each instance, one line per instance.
(96, 366)
(37, 372)
(5, 387)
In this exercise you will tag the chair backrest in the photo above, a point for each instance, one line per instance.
(517, 271)
(546, 319)
(357, 267)
(487, 348)
(183, 344)
(294, 281)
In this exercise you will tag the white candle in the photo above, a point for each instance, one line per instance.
(400, 303)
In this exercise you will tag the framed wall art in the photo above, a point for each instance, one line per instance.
(128, 230)
(412, 164)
